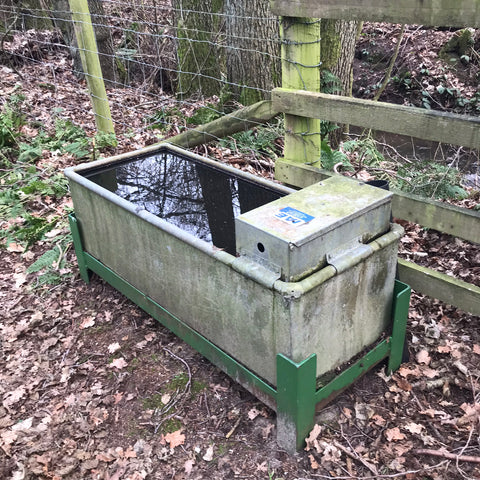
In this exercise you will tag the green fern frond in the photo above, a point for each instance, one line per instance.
(45, 261)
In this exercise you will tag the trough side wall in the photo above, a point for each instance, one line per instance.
(332, 315)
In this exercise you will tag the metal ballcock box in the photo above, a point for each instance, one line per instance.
(277, 287)
(298, 234)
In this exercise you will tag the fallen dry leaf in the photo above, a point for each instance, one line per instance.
(313, 463)
(14, 396)
(423, 357)
(188, 465)
(394, 434)
(413, 427)
(118, 363)
(105, 457)
(175, 438)
(253, 413)
(87, 322)
(20, 279)
(208, 457)
(312, 437)
(403, 384)
(113, 347)
(444, 349)
(166, 397)
(429, 372)
(7, 437)
(15, 247)
(379, 420)
(405, 371)
(117, 397)
(23, 425)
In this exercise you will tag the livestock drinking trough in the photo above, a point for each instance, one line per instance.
(291, 293)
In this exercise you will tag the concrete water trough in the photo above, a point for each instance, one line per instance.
(282, 289)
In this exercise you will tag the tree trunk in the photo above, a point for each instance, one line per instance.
(338, 50)
(24, 15)
(199, 29)
(253, 49)
(63, 21)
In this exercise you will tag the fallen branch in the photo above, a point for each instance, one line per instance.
(238, 121)
(448, 455)
(231, 432)
(388, 73)
(376, 477)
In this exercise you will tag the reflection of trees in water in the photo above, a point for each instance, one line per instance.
(196, 198)
(167, 187)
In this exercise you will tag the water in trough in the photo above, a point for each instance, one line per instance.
(196, 197)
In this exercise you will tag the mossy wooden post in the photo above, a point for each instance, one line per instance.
(301, 71)
(87, 46)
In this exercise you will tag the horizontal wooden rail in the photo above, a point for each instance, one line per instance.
(446, 218)
(454, 13)
(415, 122)
(440, 286)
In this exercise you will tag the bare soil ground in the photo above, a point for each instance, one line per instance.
(92, 388)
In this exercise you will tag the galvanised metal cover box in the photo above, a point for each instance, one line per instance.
(300, 233)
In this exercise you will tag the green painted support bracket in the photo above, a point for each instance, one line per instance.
(296, 383)
(296, 396)
(401, 302)
(78, 246)
(324, 394)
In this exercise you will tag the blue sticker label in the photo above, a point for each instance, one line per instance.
(293, 216)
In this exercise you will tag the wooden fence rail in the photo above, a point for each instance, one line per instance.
(414, 122)
(445, 13)
(440, 216)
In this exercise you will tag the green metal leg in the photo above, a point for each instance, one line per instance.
(296, 384)
(401, 302)
(85, 273)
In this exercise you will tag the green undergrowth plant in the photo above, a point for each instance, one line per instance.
(11, 120)
(428, 179)
(206, 114)
(165, 119)
(330, 84)
(432, 180)
(331, 157)
(32, 187)
(259, 141)
(52, 266)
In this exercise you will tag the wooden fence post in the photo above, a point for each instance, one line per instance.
(300, 39)
(87, 46)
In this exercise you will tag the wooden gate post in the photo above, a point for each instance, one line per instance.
(87, 46)
(300, 39)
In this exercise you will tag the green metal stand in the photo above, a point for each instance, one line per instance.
(296, 396)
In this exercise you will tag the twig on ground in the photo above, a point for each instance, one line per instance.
(355, 456)
(232, 431)
(391, 475)
(448, 455)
